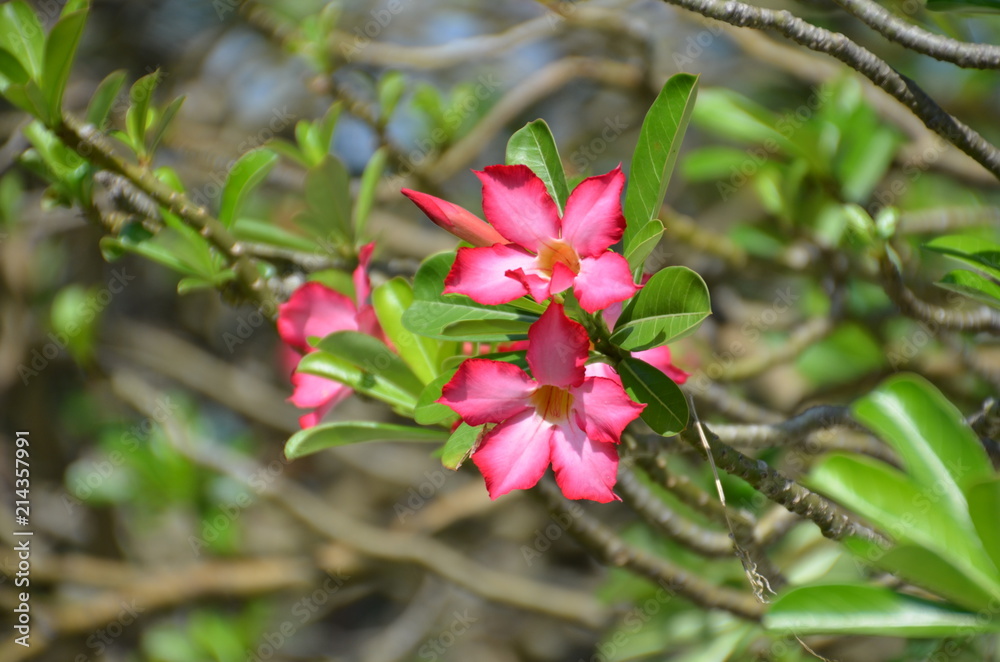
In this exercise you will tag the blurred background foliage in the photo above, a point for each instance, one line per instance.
(793, 176)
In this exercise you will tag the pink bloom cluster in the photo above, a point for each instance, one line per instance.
(565, 414)
(316, 310)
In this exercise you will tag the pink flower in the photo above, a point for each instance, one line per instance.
(658, 357)
(560, 416)
(316, 310)
(538, 252)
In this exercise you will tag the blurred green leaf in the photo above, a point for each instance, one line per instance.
(12, 70)
(249, 171)
(843, 609)
(137, 116)
(265, 232)
(60, 51)
(369, 187)
(324, 364)
(533, 146)
(104, 98)
(984, 507)
(375, 359)
(328, 195)
(670, 306)
(391, 300)
(460, 445)
(666, 409)
(710, 164)
(974, 251)
(21, 34)
(964, 6)
(659, 143)
(159, 128)
(75, 314)
(390, 90)
(342, 433)
(972, 285)
(849, 352)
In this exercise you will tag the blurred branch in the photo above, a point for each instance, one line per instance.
(793, 344)
(672, 578)
(833, 521)
(91, 145)
(316, 514)
(981, 319)
(947, 219)
(858, 58)
(729, 404)
(946, 49)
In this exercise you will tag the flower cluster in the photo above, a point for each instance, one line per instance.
(566, 413)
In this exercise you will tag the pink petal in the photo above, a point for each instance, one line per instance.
(659, 358)
(598, 369)
(517, 204)
(316, 392)
(562, 278)
(585, 469)
(480, 273)
(460, 222)
(514, 454)
(603, 281)
(315, 310)
(536, 286)
(612, 313)
(593, 219)
(602, 409)
(485, 391)
(557, 348)
(362, 285)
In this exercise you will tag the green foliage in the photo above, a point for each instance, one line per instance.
(978, 253)
(666, 409)
(460, 445)
(534, 146)
(341, 433)
(670, 306)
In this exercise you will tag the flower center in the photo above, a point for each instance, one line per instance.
(552, 403)
(557, 251)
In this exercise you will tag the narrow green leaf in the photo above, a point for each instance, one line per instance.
(246, 173)
(366, 192)
(136, 118)
(324, 364)
(74, 6)
(851, 609)
(104, 98)
(984, 507)
(653, 160)
(642, 244)
(534, 146)
(159, 129)
(930, 435)
(60, 51)
(265, 232)
(460, 445)
(670, 306)
(391, 300)
(21, 34)
(666, 409)
(437, 315)
(972, 285)
(974, 251)
(12, 70)
(342, 433)
(325, 128)
(428, 411)
(113, 248)
(328, 195)
(375, 358)
(390, 90)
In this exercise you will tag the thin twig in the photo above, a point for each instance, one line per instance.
(861, 60)
(946, 49)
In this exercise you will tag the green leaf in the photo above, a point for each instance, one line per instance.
(666, 409)
(104, 98)
(454, 316)
(390, 90)
(670, 306)
(137, 116)
(60, 51)
(22, 35)
(11, 69)
(984, 506)
(113, 248)
(851, 609)
(653, 160)
(904, 509)
(534, 146)
(265, 232)
(430, 412)
(711, 164)
(366, 192)
(74, 6)
(328, 195)
(246, 173)
(973, 251)
(972, 285)
(642, 244)
(460, 445)
(342, 433)
(391, 300)
(965, 6)
(159, 130)
(930, 435)
(324, 364)
(375, 358)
